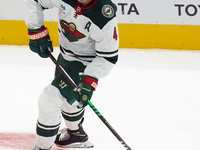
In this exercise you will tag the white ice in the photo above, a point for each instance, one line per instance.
(151, 98)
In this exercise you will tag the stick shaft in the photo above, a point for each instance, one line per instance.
(59, 67)
(108, 125)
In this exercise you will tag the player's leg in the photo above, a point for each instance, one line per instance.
(73, 135)
(71, 114)
(49, 119)
(51, 100)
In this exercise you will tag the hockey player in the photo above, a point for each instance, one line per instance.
(88, 37)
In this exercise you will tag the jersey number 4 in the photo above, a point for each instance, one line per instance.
(115, 36)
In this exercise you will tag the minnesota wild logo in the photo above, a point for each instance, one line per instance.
(70, 32)
(108, 11)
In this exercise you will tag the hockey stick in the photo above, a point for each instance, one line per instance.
(59, 67)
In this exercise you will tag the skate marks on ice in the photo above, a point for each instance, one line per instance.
(22, 141)
(16, 141)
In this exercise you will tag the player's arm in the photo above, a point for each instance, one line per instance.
(39, 37)
(107, 45)
(99, 68)
(34, 11)
(107, 55)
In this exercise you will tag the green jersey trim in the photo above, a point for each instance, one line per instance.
(100, 13)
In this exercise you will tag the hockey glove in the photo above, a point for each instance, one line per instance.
(40, 41)
(84, 93)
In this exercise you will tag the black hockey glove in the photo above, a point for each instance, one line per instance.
(84, 93)
(40, 41)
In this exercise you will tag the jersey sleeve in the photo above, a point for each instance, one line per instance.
(107, 42)
(34, 11)
(99, 67)
(107, 45)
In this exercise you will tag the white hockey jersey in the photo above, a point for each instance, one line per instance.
(88, 35)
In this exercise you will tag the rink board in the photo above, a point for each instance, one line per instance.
(142, 36)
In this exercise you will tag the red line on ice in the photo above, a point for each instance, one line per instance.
(22, 141)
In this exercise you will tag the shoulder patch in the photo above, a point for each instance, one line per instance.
(108, 11)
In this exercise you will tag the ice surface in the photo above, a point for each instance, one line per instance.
(151, 98)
